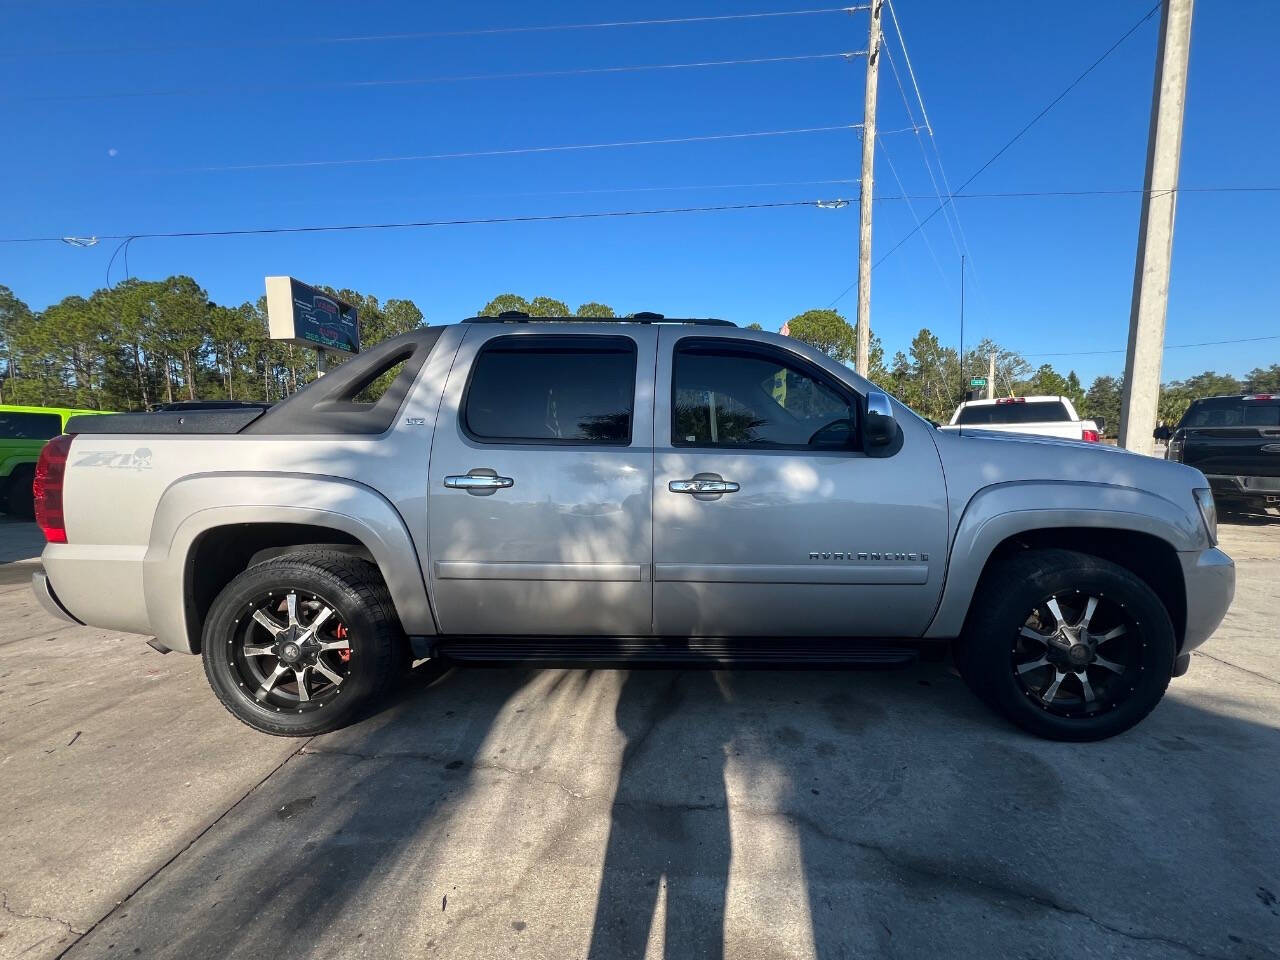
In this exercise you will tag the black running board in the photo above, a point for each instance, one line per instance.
(548, 651)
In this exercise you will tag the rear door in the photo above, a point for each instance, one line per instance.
(768, 518)
(540, 482)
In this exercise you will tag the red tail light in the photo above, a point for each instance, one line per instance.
(1090, 436)
(47, 488)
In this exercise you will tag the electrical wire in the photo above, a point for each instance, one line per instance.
(422, 81)
(835, 203)
(1014, 139)
(914, 216)
(514, 151)
(433, 35)
(1167, 346)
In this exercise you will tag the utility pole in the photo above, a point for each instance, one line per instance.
(1141, 397)
(991, 375)
(863, 351)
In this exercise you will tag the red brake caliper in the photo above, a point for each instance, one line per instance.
(343, 655)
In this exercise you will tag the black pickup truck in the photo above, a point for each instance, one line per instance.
(1235, 442)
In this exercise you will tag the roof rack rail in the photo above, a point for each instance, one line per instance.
(519, 316)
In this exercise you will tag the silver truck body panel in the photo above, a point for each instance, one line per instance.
(589, 540)
(124, 556)
(564, 551)
(813, 544)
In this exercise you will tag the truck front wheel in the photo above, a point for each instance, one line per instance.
(1067, 645)
(301, 644)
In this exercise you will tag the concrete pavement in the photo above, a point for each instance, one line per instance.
(551, 813)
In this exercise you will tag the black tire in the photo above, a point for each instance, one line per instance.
(364, 616)
(19, 501)
(999, 662)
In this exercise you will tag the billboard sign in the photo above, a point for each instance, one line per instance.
(301, 314)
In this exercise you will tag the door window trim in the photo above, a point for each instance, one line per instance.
(786, 358)
(532, 342)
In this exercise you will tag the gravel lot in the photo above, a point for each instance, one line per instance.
(549, 813)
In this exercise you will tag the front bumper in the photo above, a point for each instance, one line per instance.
(1210, 579)
(43, 590)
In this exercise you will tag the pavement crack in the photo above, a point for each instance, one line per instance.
(1236, 666)
(986, 887)
(4, 905)
(81, 934)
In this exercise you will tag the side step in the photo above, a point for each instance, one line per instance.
(712, 653)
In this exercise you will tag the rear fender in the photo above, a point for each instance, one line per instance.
(199, 503)
(1003, 510)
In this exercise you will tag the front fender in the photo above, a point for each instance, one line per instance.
(199, 503)
(998, 512)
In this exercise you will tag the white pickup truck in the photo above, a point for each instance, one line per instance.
(1039, 416)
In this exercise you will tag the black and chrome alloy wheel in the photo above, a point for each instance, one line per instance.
(1067, 645)
(300, 644)
(291, 651)
(1076, 653)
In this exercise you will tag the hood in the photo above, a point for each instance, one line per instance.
(978, 458)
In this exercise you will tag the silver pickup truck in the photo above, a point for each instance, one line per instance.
(680, 491)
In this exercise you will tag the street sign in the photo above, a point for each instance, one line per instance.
(977, 381)
(301, 314)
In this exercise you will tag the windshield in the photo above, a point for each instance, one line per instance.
(1232, 412)
(1036, 411)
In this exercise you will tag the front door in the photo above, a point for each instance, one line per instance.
(769, 520)
(539, 492)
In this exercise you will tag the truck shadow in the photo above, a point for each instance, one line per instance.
(700, 813)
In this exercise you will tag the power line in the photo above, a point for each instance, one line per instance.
(952, 214)
(402, 225)
(1016, 137)
(435, 34)
(422, 81)
(1167, 346)
(835, 203)
(513, 151)
(914, 216)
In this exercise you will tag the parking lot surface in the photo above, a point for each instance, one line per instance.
(608, 813)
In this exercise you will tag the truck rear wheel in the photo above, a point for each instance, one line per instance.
(19, 500)
(301, 644)
(1066, 645)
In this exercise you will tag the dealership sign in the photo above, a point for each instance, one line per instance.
(301, 314)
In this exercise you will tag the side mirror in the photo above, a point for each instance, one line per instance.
(881, 434)
(1102, 424)
(1161, 432)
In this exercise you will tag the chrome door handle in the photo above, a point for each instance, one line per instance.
(702, 486)
(472, 481)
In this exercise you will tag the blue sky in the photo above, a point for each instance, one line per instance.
(1049, 274)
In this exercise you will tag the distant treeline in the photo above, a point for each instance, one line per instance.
(143, 343)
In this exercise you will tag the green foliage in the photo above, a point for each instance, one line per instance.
(142, 343)
(825, 330)
(1103, 402)
(504, 303)
(1256, 380)
(548, 307)
(754, 326)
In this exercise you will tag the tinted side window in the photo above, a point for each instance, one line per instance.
(29, 426)
(1037, 411)
(728, 396)
(1232, 412)
(552, 389)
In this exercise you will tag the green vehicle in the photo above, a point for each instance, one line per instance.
(23, 431)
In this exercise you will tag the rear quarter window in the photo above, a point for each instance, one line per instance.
(552, 389)
(1037, 411)
(29, 426)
